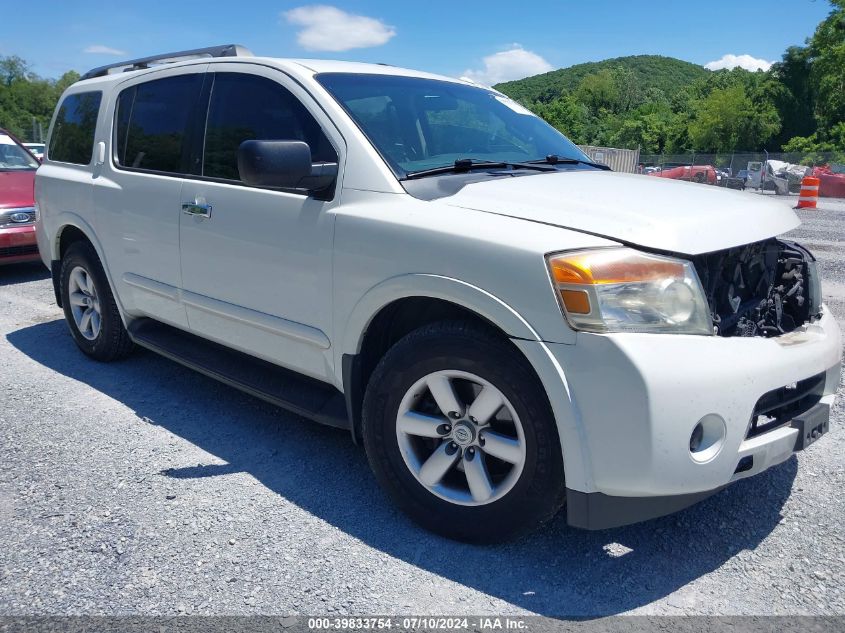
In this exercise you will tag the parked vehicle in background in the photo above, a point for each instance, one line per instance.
(791, 173)
(17, 206)
(761, 176)
(695, 173)
(755, 174)
(739, 181)
(37, 149)
(507, 326)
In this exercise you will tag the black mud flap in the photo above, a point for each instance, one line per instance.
(56, 274)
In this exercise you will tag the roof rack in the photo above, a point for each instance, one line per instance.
(225, 50)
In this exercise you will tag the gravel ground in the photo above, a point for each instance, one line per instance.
(141, 487)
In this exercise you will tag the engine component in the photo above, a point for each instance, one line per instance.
(762, 289)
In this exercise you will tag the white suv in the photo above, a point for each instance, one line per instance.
(506, 326)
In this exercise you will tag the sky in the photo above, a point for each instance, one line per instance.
(489, 41)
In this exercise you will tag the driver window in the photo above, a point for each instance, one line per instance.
(248, 107)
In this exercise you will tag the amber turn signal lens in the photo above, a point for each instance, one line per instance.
(620, 289)
(576, 301)
(611, 266)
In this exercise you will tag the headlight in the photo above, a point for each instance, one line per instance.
(624, 290)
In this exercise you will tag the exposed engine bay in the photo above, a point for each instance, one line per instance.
(763, 289)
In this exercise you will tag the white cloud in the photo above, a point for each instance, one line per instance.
(514, 63)
(99, 49)
(328, 28)
(742, 61)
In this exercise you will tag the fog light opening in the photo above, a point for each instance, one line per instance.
(696, 438)
(707, 438)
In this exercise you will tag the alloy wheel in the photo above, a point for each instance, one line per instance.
(84, 303)
(461, 438)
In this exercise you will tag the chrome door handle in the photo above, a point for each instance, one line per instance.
(197, 208)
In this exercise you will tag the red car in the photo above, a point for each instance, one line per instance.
(17, 202)
(696, 173)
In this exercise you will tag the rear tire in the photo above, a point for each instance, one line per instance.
(89, 306)
(502, 475)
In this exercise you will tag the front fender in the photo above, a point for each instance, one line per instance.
(455, 291)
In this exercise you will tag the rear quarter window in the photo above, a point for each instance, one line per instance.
(72, 140)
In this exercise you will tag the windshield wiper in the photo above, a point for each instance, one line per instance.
(463, 165)
(553, 159)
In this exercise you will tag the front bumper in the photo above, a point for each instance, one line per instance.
(598, 511)
(636, 399)
(18, 244)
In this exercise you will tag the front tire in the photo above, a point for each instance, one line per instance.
(459, 432)
(89, 306)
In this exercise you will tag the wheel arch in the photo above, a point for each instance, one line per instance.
(460, 293)
(73, 228)
(398, 305)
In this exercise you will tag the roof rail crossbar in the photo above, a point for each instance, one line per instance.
(225, 50)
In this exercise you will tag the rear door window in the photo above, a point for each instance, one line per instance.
(72, 140)
(153, 122)
(248, 107)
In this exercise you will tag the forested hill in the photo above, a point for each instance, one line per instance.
(649, 71)
(665, 105)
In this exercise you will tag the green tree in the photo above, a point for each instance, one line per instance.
(813, 150)
(728, 119)
(649, 127)
(813, 78)
(13, 69)
(599, 91)
(827, 51)
(796, 103)
(65, 81)
(629, 94)
(26, 98)
(568, 115)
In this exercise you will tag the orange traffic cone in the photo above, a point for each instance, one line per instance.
(809, 197)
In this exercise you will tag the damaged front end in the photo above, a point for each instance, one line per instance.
(766, 289)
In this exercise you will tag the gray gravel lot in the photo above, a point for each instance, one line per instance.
(141, 487)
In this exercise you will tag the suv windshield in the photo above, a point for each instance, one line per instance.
(423, 124)
(13, 156)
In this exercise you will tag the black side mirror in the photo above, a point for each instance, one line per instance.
(283, 164)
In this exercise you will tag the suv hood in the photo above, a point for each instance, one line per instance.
(656, 213)
(16, 188)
